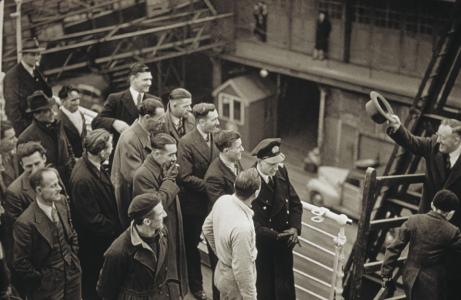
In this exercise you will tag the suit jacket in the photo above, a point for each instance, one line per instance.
(58, 149)
(276, 209)
(9, 169)
(33, 242)
(75, 138)
(436, 175)
(18, 84)
(147, 179)
(189, 124)
(18, 196)
(219, 180)
(430, 237)
(194, 157)
(131, 151)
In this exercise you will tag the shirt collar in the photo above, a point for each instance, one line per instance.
(264, 176)
(226, 162)
(455, 155)
(68, 112)
(136, 239)
(46, 209)
(28, 68)
(174, 119)
(134, 94)
(204, 135)
(248, 211)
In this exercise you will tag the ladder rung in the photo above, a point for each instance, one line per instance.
(404, 204)
(433, 116)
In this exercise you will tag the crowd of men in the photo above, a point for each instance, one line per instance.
(118, 211)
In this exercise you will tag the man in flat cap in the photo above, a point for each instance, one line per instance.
(196, 150)
(47, 130)
(20, 82)
(277, 219)
(158, 174)
(135, 265)
(431, 237)
(179, 119)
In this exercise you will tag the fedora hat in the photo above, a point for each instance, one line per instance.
(378, 108)
(38, 101)
(32, 46)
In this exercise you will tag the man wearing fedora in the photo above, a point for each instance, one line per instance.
(47, 130)
(20, 82)
(277, 220)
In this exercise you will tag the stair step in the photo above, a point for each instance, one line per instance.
(404, 204)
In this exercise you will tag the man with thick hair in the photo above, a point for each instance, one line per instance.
(72, 118)
(431, 237)
(45, 243)
(196, 150)
(135, 265)
(132, 149)
(178, 117)
(229, 230)
(158, 174)
(93, 207)
(9, 170)
(220, 176)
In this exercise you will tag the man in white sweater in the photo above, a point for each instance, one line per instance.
(229, 229)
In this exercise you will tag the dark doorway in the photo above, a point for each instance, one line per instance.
(298, 116)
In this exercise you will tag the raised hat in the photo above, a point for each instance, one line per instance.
(38, 101)
(32, 46)
(378, 108)
(269, 149)
(143, 204)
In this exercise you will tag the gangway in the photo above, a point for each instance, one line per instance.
(386, 197)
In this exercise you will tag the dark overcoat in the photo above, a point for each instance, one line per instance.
(322, 34)
(33, 245)
(130, 152)
(219, 180)
(430, 237)
(18, 196)
(436, 174)
(133, 272)
(194, 158)
(276, 209)
(18, 84)
(189, 125)
(147, 179)
(58, 149)
(95, 217)
(74, 137)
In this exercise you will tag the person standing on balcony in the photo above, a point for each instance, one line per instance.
(20, 82)
(277, 219)
(322, 36)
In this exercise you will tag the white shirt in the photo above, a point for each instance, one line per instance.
(46, 209)
(75, 118)
(454, 156)
(229, 229)
(204, 135)
(134, 95)
(228, 164)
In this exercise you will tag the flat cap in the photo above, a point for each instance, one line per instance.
(446, 200)
(269, 149)
(143, 204)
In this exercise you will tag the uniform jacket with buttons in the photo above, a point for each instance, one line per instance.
(276, 209)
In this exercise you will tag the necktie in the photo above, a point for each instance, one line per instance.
(54, 215)
(447, 162)
(180, 128)
(236, 168)
(271, 181)
(139, 99)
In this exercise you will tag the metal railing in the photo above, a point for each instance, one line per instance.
(339, 240)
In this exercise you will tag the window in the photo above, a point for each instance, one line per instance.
(334, 8)
(230, 108)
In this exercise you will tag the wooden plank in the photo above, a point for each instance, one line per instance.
(412, 207)
(387, 223)
(375, 266)
(400, 179)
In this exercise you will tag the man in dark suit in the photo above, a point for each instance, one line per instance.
(196, 150)
(158, 174)
(93, 208)
(50, 133)
(20, 82)
(441, 152)
(71, 118)
(178, 117)
(277, 220)
(45, 243)
(120, 109)
(131, 151)
(220, 177)
(431, 237)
